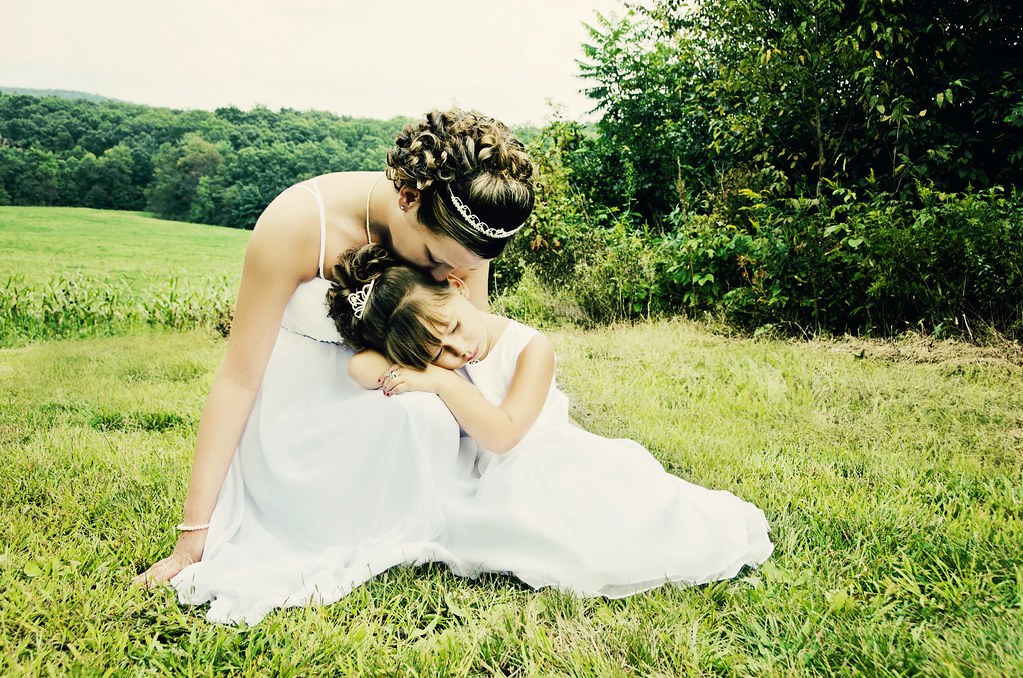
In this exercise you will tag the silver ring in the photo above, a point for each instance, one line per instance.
(393, 374)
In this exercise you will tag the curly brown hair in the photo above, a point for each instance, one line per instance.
(482, 163)
(399, 311)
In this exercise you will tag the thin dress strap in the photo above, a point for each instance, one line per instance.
(315, 190)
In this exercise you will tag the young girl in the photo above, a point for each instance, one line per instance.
(541, 498)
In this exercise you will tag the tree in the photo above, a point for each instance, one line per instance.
(653, 134)
(28, 176)
(805, 94)
(177, 171)
(106, 182)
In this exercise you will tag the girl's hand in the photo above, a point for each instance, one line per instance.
(187, 551)
(400, 379)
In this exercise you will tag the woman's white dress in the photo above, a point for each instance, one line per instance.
(330, 485)
(590, 515)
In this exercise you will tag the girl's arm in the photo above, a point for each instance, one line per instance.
(497, 427)
(367, 367)
(277, 259)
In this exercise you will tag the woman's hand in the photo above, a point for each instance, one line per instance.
(187, 551)
(398, 379)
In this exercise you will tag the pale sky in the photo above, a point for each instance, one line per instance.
(350, 57)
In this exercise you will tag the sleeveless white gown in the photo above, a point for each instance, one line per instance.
(585, 514)
(331, 484)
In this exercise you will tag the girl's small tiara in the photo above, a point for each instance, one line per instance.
(358, 299)
(475, 222)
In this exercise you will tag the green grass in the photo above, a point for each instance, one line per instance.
(69, 272)
(890, 472)
(893, 489)
(38, 244)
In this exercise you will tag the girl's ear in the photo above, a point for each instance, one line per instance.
(458, 284)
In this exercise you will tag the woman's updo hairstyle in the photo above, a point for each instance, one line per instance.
(399, 310)
(482, 163)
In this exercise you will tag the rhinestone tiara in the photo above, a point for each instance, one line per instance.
(358, 299)
(475, 222)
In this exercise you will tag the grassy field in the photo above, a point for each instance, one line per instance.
(40, 243)
(890, 472)
(70, 272)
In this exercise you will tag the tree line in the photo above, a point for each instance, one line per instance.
(215, 167)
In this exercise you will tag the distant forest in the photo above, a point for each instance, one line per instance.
(61, 93)
(214, 167)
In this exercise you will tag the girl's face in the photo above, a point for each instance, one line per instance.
(464, 337)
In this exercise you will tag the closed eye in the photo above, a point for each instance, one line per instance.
(434, 262)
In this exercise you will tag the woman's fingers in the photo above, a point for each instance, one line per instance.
(163, 570)
(158, 573)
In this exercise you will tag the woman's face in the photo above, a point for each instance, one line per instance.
(464, 336)
(438, 255)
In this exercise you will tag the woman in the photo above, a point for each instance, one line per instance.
(303, 484)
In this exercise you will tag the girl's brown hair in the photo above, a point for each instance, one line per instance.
(482, 163)
(399, 312)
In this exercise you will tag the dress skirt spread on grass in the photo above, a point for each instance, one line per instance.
(333, 484)
(590, 515)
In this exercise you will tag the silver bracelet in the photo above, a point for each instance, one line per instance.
(181, 527)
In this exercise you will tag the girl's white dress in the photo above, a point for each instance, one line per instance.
(586, 514)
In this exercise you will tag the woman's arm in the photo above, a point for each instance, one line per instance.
(278, 257)
(497, 427)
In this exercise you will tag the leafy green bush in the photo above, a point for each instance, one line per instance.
(574, 262)
(700, 260)
(560, 229)
(956, 257)
(943, 263)
(882, 265)
(619, 280)
(861, 261)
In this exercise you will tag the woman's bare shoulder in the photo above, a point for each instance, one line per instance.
(292, 206)
(290, 224)
(288, 232)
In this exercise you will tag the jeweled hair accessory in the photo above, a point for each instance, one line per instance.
(475, 222)
(358, 299)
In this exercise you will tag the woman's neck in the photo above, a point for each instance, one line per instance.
(380, 206)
